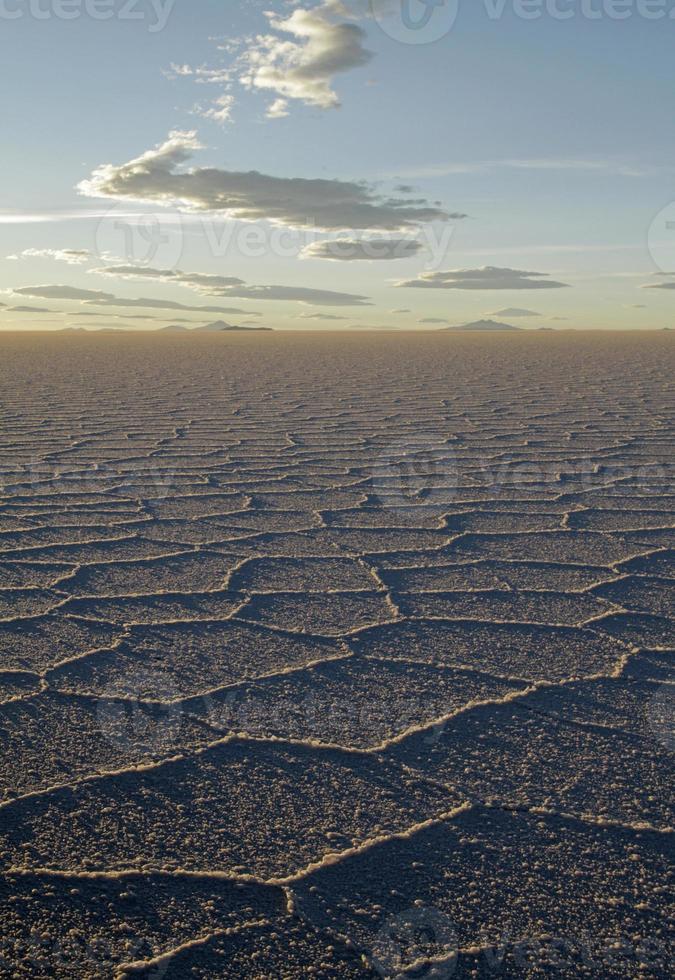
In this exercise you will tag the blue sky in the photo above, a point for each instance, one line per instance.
(553, 138)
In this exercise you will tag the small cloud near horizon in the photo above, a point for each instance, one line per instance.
(487, 278)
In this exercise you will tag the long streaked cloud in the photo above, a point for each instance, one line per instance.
(599, 167)
(72, 256)
(156, 177)
(363, 249)
(489, 277)
(29, 309)
(320, 316)
(513, 311)
(229, 286)
(95, 297)
(668, 281)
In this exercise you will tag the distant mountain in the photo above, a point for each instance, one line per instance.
(220, 325)
(485, 325)
(164, 329)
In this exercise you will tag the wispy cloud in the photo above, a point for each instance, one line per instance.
(513, 311)
(489, 277)
(96, 297)
(251, 196)
(230, 286)
(363, 249)
(72, 256)
(599, 167)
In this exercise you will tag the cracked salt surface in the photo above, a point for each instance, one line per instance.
(311, 648)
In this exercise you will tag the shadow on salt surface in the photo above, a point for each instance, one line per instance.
(38, 643)
(14, 685)
(640, 594)
(159, 609)
(21, 575)
(193, 657)
(15, 603)
(193, 572)
(648, 632)
(325, 613)
(660, 563)
(353, 702)
(22, 543)
(82, 553)
(302, 575)
(243, 807)
(534, 653)
(503, 879)
(52, 739)
(82, 927)
(258, 952)
(523, 754)
(517, 607)
(576, 547)
(405, 575)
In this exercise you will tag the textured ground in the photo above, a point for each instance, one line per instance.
(336, 656)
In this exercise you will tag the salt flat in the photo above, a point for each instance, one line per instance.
(336, 655)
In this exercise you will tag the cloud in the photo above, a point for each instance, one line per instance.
(513, 311)
(569, 165)
(72, 256)
(433, 319)
(488, 277)
(95, 297)
(278, 109)
(220, 111)
(300, 60)
(229, 286)
(661, 285)
(364, 249)
(28, 309)
(298, 202)
(60, 292)
(402, 310)
(320, 316)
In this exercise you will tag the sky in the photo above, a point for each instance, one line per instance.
(337, 164)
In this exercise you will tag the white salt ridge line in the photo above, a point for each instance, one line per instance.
(335, 858)
(125, 970)
(43, 612)
(283, 672)
(315, 744)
